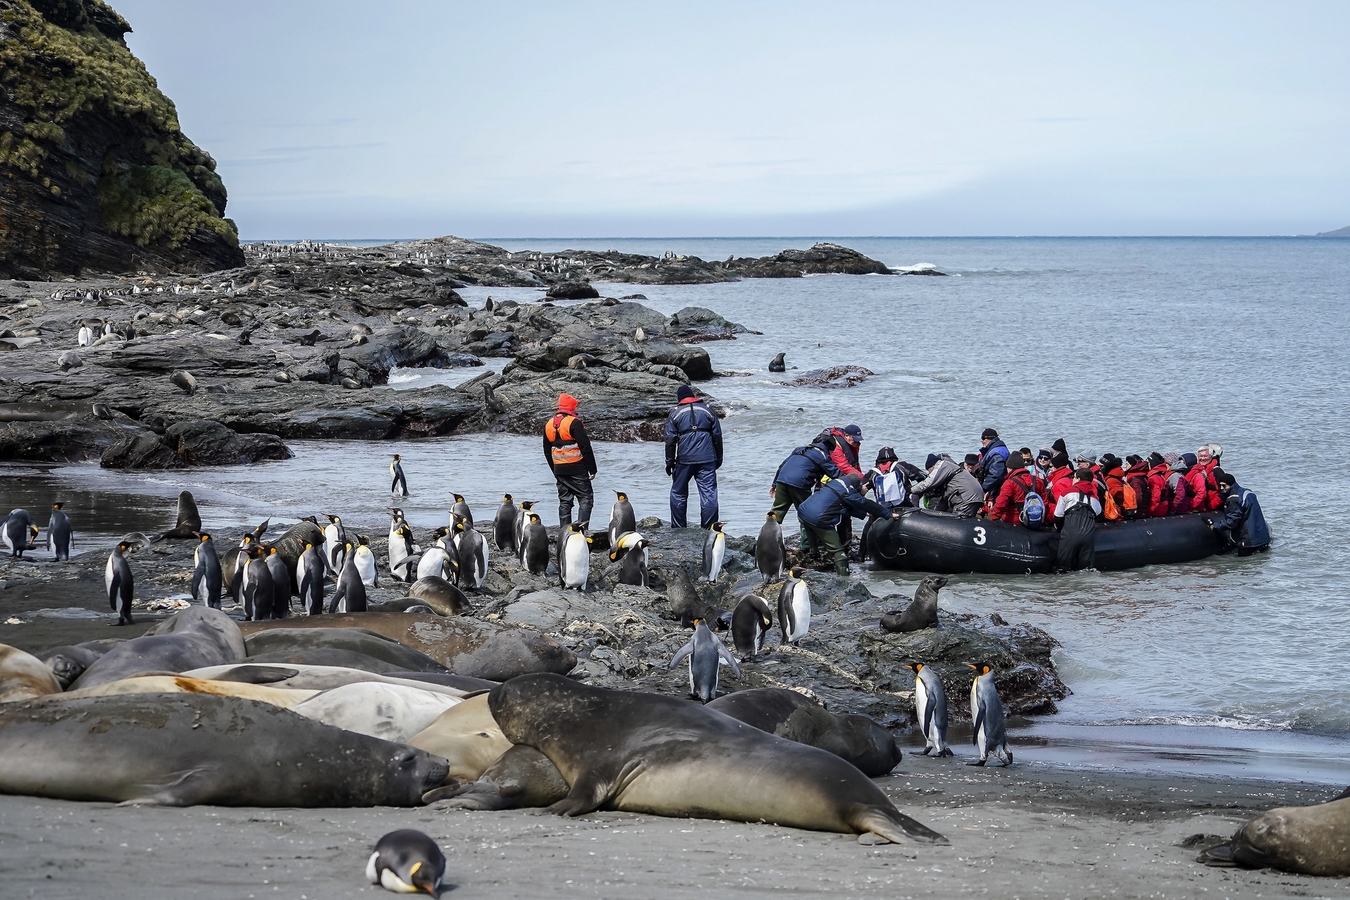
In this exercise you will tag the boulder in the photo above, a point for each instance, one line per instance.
(572, 290)
(194, 442)
(833, 377)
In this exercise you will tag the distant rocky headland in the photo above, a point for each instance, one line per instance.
(182, 370)
(95, 173)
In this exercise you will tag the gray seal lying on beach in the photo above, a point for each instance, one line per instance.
(922, 611)
(198, 636)
(798, 718)
(186, 749)
(521, 778)
(1309, 840)
(646, 753)
(23, 676)
(357, 640)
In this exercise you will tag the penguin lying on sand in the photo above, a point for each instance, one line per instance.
(407, 862)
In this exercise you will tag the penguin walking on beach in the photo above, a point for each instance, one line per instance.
(574, 556)
(402, 552)
(281, 584)
(58, 533)
(407, 862)
(364, 560)
(334, 543)
(930, 705)
(259, 593)
(398, 484)
(794, 607)
(705, 653)
(310, 570)
(990, 733)
(534, 546)
(714, 552)
(473, 557)
(770, 550)
(207, 579)
(750, 623)
(523, 513)
(504, 526)
(461, 511)
(240, 564)
(621, 518)
(350, 595)
(18, 532)
(119, 583)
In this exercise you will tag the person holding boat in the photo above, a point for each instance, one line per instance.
(1243, 525)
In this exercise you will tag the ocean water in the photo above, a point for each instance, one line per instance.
(1120, 344)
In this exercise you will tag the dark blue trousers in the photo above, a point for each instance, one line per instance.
(705, 476)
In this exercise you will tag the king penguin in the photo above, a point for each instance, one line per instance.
(18, 532)
(750, 623)
(504, 526)
(574, 557)
(462, 511)
(118, 582)
(770, 551)
(407, 862)
(473, 557)
(58, 533)
(714, 552)
(397, 483)
(930, 705)
(706, 653)
(350, 595)
(794, 607)
(334, 542)
(534, 546)
(990, 734)
(621, 518)
(364, 560)
(281, 584)
(309, 574)
(435, 561)
(633, 566)
(258, 591)
(523, 519)
(206, 575)
(401, 550)
(240, 563)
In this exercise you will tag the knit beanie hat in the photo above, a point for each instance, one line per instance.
(567, 403)
(1133, 459)
(1059, 460)
(1155, 459)
(684, 392)
(1016, 460)
(988, 434)
(1190, 459)
(1061, 446)
(932, 461)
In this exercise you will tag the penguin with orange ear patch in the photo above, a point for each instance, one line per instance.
(407, 862)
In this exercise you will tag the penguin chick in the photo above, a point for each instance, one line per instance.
(705, 653)
(990, 733)
(407, 862)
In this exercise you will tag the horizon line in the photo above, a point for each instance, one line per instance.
(799, 237)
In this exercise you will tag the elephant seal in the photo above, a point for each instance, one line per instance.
(323, 678)
(401, 605)
(385, 711)
(466, 736)
(443, 597)
(182, 684)
(922, 611)
(186, 749)
(356, 640)
(648, 753)
(521, 778)
(798, 718)
(69, 662)
(1308, 840)
(23, 676)
(198, 636)
(188, 519)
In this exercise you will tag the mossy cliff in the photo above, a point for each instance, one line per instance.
(95, 173)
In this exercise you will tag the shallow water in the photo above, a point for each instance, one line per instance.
(1127, 345)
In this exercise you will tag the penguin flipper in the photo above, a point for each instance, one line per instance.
(730, 660)
(197, 575)
(684, 652)
(114, 588)
(975, 729)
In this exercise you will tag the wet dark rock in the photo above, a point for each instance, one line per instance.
(193, 443)
(833, 377)
(572, 290)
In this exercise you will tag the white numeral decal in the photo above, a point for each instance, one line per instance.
(979, 535)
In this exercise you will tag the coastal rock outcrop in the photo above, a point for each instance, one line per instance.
(194, 442)
(832, 377)
(95, 172)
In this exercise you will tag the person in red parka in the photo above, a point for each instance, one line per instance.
(1197, 483)
(847, 443)
(1159, 494)
(1136, 476)
(1209, 462)
(1060, 481)
(1011, 494)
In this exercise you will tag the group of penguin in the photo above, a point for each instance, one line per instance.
(19, 533)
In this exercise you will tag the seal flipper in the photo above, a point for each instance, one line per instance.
(256, 674)
(1220, 857)
(892, 825)
(586, 796)
(192, 788)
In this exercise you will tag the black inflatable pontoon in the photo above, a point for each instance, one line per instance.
(923, 541)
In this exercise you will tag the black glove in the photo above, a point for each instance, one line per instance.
(670, 468)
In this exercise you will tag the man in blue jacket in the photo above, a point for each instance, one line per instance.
(1243, 523)
(823, 511)
(992, 467)
(693, 451)
(795, 478)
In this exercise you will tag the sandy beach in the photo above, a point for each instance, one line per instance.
(1030, 831)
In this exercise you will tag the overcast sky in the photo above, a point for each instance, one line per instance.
(342, 119)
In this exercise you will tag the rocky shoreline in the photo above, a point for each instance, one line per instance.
(290, 346)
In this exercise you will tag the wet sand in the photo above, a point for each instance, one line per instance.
(1031, 831)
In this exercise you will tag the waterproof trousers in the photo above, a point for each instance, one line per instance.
(829, 539)
(578, 488)
(785, 496)
(1076, 539)
(705, 476)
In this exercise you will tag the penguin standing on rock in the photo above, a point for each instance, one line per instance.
(473, 557)
(522, 519)
(407, 862)
(770, 550)
(334, 542)
(240, 564)
(621, 518)
(401, 550)
(435, 561)
(633, 566)
(574, 556)
(364, 560)
(18, 532)
(930, 705)
(750, 623)
(58, 533)
(794, 607)
(258, 590)
(462, 511)
(990, 734)
(206, 574)
(350, 595)
(309, 574)
(118, 582)
(504, 526)
(714, 551)
(281, 584)
(398, 484)
(534, 546)
(705, 653)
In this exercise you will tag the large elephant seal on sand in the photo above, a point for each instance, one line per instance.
(182, 684)
(386, 711)
(198, 636)
(1309, 840)
(521, 778)
(185, 749)
(69, 662)
(276, 641)
(466, 736)
(323, 678)
(647, 753)
(795, 717)
(23, 676)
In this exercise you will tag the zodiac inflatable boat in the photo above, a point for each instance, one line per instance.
(923, 541)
